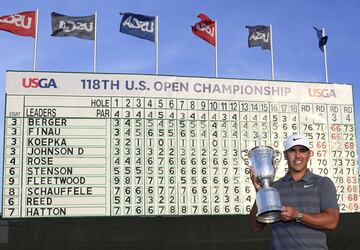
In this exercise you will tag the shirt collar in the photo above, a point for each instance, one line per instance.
(307, 177)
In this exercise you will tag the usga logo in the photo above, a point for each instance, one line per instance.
(39, 83)
(314, 92)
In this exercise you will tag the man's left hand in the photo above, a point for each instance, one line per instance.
(288, 213)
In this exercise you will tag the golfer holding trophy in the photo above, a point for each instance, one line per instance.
(308, 205)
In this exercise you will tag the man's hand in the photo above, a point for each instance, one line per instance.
(253, 178)
(326, 219)
(288, 213)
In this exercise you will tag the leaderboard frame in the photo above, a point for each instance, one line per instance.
(91, 144)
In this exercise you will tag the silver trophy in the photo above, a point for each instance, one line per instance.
(267, 198)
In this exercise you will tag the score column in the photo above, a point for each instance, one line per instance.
(127, 153)
(343, 157)
(350, 161)
(13, 149)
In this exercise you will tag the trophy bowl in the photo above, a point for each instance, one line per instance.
(261, 158)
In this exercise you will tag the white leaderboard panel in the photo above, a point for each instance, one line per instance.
(80, 144)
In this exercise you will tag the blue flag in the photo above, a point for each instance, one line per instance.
(138, 25)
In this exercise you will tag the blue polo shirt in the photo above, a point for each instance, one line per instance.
(312, 194)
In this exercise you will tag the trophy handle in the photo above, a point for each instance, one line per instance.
(245, 157)
(277, 157)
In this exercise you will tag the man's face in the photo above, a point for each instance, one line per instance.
(297, 158)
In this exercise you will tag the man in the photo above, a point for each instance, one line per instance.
(309, 204)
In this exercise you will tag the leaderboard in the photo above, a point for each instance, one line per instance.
(82, 144)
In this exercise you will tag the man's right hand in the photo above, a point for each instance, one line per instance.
(254, 179)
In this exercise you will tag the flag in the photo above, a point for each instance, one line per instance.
(205, 29)
(138, 25)
(322, 39)
(82, 27)
(22, 24)
(259, 36)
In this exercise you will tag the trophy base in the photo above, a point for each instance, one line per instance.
(268, 204)
(269, 216)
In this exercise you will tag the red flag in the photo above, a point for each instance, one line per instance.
(22, 24)
(205, 29)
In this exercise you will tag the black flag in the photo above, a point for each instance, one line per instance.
(82, 27)
(322, 39)
(259, 36)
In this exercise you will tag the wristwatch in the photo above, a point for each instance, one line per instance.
(299, 217)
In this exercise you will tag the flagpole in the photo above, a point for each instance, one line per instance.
(94, 67)
(325, 59)
(156, 45)
(36, 39)
(272, 54)
(216, 51)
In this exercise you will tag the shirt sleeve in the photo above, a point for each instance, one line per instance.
(328, 197)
